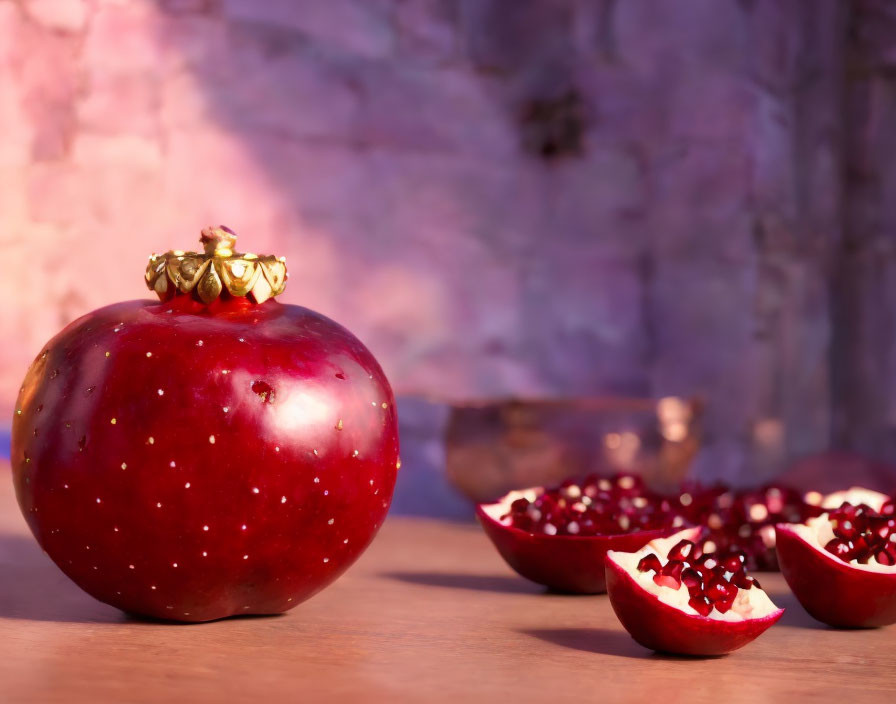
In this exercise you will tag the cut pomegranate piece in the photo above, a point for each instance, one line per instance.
(560, 537)
(843, 582)
(681, 616)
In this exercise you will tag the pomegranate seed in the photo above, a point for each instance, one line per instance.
(741, 580)
(719, 590)
(847, 509)
(885, 557)
(879, 526)
(681, 550)
(844, 528)
(724, 605)
(519, 506)
(861, 549)
(670, 575)
(692, 580)
(673, 568)
(701, 605)
(839, 548)
(649, 562)
(665, 580)
(707, 563)
(733, 562)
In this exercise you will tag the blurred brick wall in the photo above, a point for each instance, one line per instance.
(518, 196)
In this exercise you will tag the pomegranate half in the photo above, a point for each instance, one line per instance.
(671, 599)
(559, 537)
(841, 566)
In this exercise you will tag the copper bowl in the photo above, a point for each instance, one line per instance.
(495, 446)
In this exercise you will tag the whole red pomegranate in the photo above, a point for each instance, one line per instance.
(217, 453)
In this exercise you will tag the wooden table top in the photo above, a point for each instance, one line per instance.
(430, 614)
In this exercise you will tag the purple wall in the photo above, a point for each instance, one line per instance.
(501, 197)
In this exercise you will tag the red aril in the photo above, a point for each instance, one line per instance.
(214, 453)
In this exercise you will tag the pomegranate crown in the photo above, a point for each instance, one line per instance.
(218, 268)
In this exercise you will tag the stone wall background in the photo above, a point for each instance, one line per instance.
(529, 197)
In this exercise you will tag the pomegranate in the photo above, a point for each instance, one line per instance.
(744, 521)
(560, 536)
(672, 597)
(217, 453)
(841, 566)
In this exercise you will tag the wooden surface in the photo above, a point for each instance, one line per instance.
(430, 613)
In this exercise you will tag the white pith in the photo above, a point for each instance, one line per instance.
(818, 532)
(748, 604)
(855, 495)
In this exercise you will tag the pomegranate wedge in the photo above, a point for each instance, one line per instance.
(567, 552)
(841, 566)
(672, 599)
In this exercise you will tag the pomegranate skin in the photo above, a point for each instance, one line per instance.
(190, 462)
(664, 628)
(832, 591)
(564, 563)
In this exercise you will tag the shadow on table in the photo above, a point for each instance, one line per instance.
(795, 615)
(33, 588)
(604, 642)
(473, 582)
